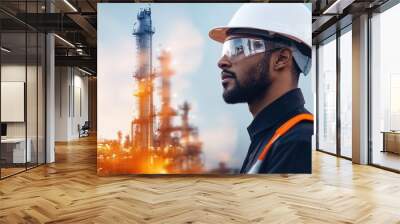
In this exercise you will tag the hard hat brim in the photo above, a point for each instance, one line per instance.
(218, 34)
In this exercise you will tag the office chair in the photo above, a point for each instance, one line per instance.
(84, 130)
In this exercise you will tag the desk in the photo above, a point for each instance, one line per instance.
(391, 141)
(17, 152)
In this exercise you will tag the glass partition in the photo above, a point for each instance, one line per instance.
(13, 105)
(41, 109)
(31, 100)
(34, 57)
(23, 91)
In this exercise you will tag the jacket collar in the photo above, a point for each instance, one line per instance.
(276, 112)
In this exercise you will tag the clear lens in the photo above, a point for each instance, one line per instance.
(242, 46)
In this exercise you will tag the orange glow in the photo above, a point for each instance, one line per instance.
(112, 159)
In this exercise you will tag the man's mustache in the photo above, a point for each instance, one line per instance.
(229, 73)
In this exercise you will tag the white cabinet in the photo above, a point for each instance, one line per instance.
(19, 155)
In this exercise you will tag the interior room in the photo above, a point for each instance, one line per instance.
(48, 150)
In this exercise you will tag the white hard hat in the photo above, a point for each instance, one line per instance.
(291, 20)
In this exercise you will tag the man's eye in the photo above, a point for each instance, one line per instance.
(257, 45)
(239, 50)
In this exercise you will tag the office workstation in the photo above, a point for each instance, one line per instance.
(15, 145)
(13, 149)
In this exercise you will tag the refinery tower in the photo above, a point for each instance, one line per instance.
(142, 128)
(156, 144)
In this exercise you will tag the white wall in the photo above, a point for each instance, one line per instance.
(33, 126)
(16, 73)
(71, 94)
(62, 81)
(80, 110)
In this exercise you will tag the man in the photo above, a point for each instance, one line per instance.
(265, 48)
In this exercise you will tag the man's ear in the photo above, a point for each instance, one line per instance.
(283, 58)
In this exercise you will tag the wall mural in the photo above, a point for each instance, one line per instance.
(167, 104)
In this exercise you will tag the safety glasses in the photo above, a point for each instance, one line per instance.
(243, 46)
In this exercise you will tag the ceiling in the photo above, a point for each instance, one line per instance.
(76, 22)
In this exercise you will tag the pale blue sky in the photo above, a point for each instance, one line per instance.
(183, 28)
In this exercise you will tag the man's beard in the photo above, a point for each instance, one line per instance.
(253, 88)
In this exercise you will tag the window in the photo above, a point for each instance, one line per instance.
(327, 96)
(385, 89)
(346, 93)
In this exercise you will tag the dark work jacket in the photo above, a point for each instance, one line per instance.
(291, 153)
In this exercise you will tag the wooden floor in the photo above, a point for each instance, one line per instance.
(69, 191)
(387, 159)
(10, 171)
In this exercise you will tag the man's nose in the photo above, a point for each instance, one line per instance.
(224, 63)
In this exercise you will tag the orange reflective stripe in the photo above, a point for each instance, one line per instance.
(283, 129)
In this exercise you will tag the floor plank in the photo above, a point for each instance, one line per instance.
(69, 191)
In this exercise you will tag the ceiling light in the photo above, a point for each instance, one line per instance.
(80, 51)
(338, 6)
(65, 41)
(70, 5)
(326, 11)
(84, 71)
(5, 50)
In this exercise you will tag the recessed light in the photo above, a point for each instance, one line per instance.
(5, 50)
(84, 71)
(70, 5)
(64, 40)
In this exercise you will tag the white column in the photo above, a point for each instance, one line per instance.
(360, 90)
(50, 91)
(50, 99)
